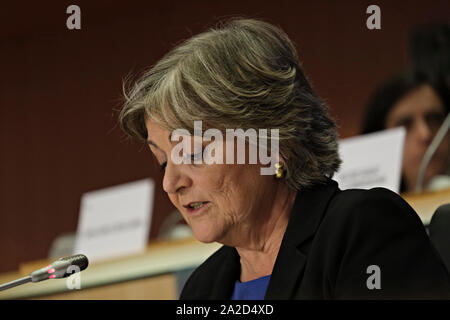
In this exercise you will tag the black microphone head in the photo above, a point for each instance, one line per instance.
(61, 268)
(79, 260)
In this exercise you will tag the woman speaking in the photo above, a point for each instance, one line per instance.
(290, 234)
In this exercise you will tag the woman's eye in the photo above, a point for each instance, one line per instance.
(405, 123)
(197, 156)
(435, 120)
(163, 166)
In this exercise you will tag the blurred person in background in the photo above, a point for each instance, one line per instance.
(412, 100)
(418, 100)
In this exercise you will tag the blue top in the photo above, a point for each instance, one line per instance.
(251, 290)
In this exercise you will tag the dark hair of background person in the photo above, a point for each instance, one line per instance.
(390, 92)
(429, 53)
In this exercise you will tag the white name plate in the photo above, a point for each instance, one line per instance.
(372, 160)
(115, 221)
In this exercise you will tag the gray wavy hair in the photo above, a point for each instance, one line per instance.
(245, 73)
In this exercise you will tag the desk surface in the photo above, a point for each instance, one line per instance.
(426, 203)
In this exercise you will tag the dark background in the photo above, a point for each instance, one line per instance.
(59, 88)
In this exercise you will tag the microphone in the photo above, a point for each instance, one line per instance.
(439, 232)
(60, 268)
(430, 152)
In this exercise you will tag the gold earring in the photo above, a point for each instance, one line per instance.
(279, 172)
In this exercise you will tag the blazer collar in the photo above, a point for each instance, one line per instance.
(306, 215)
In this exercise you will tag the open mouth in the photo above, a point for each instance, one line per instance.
(196, 206)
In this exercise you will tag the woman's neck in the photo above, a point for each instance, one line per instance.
(258, 256)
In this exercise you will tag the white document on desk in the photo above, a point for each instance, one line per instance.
(372, 160)
(115, 221)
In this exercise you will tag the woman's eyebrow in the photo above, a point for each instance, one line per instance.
(402, 120)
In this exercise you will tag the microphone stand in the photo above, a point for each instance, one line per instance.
(430, 152)
(15, 283)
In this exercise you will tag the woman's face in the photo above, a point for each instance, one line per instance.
(221, 202)
(421, 112)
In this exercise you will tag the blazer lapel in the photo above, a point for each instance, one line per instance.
(306, 214)
(286, 272)
(226, 275)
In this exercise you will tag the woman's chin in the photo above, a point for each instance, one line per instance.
(204, 235)
(203, 238)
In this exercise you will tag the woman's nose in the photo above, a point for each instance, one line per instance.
(174, 178)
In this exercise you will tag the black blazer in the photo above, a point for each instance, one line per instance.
(332, 237)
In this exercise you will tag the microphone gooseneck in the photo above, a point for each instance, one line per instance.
(15, 283)
(430, 152)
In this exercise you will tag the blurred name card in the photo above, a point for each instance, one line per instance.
(372, 160)
(115, 221)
